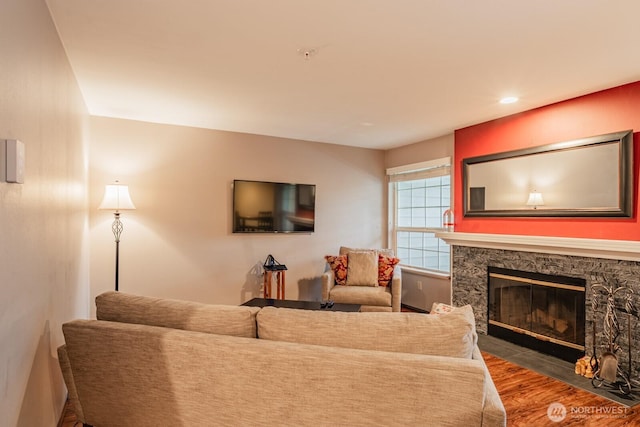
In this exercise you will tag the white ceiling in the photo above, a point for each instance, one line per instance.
(381, 74)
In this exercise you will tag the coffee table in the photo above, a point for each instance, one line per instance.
(302, 305)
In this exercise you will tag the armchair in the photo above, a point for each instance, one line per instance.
(371, 297)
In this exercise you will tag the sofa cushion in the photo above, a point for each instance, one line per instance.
(338, 265)
(452, 335)
(465, 310)
(363, 295)
(362, 268)
(345, 250)
(386, 265)
(233, 320)
(441, 308)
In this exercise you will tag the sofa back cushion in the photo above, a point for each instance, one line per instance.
(232, 320)
(453, 335)
(144, 375)
(384, 251)
(362, 268)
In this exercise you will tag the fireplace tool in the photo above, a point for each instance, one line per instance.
(608, 369)
(593, 362)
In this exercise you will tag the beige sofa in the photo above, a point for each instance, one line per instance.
(156, 362)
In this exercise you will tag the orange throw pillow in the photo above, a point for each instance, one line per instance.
(385, 269)
(338, 265)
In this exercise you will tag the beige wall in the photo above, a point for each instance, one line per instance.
(178, 242)
(422, 290)
(43, 227)
(423, 151)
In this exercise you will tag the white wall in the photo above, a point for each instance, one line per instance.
(422, 290)
(43, 222)
(178, 242)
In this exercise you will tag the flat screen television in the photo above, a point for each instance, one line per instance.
(273, 207)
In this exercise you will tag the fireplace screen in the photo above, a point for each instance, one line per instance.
(548, 309)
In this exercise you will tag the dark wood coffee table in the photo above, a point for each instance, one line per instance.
(302, 305)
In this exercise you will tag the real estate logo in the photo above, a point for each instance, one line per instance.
(556, 412)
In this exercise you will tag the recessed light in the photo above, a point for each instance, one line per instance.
(509, 100)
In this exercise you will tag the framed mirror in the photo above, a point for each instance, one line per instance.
(585, 177)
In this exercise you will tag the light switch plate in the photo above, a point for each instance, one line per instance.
(15, 161)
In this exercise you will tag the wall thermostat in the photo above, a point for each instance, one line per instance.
(15, 161)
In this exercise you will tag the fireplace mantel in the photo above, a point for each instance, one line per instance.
(594, 248)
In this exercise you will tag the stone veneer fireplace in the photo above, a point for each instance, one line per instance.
(595, 261)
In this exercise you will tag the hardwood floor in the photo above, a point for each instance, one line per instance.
(526, 396)
(68, 418)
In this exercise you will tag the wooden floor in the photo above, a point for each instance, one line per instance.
(526, 396)
(68, 418)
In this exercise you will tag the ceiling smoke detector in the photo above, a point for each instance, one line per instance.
(307, 53)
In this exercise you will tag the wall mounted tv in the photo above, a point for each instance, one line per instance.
(273, 207)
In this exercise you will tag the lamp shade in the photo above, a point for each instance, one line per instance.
(116, 198)
(535, 199)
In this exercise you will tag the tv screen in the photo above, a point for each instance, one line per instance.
(273, 207)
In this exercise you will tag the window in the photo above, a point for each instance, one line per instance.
(420, 194)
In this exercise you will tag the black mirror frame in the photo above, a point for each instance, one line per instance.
(625, 187)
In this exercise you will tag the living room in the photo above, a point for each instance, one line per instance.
(59, 250)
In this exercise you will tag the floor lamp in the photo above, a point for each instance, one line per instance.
(116, 198)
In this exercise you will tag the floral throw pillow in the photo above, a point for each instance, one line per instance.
(385, 268)
(440, 308)
(338, 265)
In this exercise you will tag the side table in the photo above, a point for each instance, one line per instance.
(278, 277)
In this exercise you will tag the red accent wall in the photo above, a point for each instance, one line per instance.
(611, 110)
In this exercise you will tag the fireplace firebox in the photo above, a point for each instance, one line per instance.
(539, 311)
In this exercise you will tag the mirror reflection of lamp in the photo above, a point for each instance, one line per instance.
(535, 199)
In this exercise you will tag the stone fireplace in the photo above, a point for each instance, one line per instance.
(593, 261)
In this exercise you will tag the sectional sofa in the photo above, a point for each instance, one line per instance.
(150, 361)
